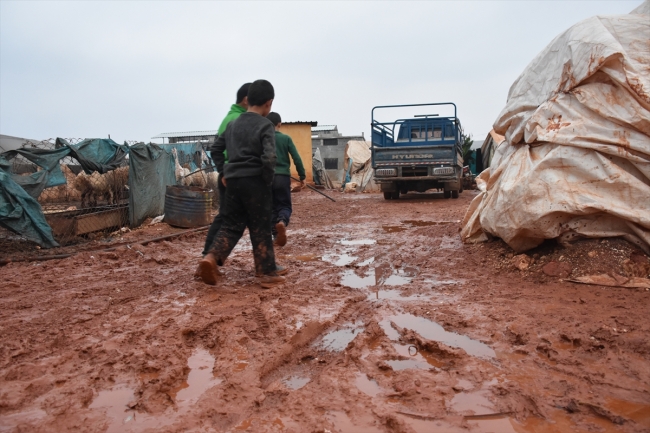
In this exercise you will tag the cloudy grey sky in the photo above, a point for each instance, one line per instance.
(135, 69)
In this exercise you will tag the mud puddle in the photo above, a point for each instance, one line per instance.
(381, 275)
(295, 382)
(433, 331)
(394, 295)
(341, 259)
(368, 386)
(117, 402)
(339, 339)
(416, 359)
(360, 424)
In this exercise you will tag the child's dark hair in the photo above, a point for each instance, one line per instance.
(242, 93)
(274, 118)
(260, 92)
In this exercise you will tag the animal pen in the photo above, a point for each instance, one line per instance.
(57, 193)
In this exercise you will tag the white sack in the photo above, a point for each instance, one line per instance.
(576, 160)
(359, 152)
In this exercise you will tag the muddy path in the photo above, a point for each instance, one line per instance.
(387, 323)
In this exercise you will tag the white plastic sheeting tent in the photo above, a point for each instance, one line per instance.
(576, 159)
(358, 166)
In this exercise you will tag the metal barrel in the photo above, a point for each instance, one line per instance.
(187, 206)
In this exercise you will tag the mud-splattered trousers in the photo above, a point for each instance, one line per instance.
(218, 220)
(247, 203)
(281, 200)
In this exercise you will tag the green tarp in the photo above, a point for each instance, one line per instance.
(151, 170)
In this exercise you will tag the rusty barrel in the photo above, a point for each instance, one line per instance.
(187, 206)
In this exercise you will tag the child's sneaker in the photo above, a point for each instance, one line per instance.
(279, 270)
(271, 280)
(281, 237)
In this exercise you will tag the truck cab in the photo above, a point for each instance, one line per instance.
(418, 153)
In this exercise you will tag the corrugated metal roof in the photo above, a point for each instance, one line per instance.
(300, 122)
(324, 128)
(186, 134)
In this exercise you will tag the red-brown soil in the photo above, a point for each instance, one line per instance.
(387, 323)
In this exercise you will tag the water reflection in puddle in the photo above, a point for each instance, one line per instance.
(352, 280)
(433, 331)
(114, 402)
(381, 275)
(295, 382)
(472, 403)
(367, 386)
(339, 339)
(339, 259)
(394, 295)
(199, 380)
(417, 360)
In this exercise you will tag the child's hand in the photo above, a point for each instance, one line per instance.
(303, 184)
(223, 180)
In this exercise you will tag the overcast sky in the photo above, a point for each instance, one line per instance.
(136, 69)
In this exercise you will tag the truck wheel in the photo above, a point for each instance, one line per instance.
(388, 195)
(454, 194)
(447, 194)
(395, 195)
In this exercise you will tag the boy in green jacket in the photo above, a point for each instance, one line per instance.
(282, 180)
(240, 106)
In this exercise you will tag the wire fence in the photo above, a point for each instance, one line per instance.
(95, 206)
(85, 207)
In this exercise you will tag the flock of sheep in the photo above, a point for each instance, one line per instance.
(110, 186)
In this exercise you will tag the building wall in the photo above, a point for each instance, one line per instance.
(338, 152)
(300, 133)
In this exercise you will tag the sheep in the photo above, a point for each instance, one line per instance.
(61, 193)
(108, 185)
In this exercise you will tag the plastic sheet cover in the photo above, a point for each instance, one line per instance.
(576, 159)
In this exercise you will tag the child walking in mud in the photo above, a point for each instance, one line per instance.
(282, 209)
(250, 143)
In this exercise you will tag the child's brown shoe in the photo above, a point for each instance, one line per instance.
(281, 238)
(271, 280)
(207, 270)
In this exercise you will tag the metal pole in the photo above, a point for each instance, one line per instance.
(314, 189)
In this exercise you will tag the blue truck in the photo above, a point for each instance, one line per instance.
(419, 153)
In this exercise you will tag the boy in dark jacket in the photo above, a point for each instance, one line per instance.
(250, 143)
(282, 209)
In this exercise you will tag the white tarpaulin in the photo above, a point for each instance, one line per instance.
(357, 153)
(576, 159)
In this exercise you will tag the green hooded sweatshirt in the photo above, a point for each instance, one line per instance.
(235, 112)
(283, 148)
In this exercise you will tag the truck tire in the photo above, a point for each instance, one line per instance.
(395, 195)
(454, 194)
(388, 195)
(447, 194)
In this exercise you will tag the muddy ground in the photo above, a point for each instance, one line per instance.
(387, 323)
